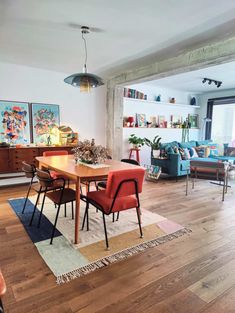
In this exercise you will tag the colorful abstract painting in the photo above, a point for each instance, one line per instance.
(45, 120)
(14, 122)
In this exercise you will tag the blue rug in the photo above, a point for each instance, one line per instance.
(36, 234)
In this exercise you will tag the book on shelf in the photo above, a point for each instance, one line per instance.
(134, 94)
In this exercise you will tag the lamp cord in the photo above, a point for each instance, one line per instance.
(85, 51)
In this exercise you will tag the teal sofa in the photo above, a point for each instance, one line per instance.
(173, 165)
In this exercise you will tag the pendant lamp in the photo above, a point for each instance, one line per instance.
(85, 81)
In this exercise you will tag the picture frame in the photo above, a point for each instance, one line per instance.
(162, 121)
(15, 122)
(45, 123)
(193, 120)
(141, 120)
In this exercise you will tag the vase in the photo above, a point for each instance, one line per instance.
(156, 153)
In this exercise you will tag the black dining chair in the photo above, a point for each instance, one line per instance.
(59, 196)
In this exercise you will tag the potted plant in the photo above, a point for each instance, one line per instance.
(154, 145)
(136, 142)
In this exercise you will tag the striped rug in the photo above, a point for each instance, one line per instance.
(68, 261)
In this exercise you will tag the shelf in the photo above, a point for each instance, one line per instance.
(164, 103)
(159, 128)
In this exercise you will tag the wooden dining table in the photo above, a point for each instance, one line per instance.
(65, 164)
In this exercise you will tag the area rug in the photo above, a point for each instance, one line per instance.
(68, 261)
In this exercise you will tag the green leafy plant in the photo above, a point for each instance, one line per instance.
(155, 144)
(136, 141)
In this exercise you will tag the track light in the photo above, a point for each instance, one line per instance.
(210, 81)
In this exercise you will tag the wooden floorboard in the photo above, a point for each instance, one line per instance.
(191, 274)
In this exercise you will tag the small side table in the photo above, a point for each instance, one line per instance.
(137, 155)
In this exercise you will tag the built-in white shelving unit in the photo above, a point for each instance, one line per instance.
(176, 105)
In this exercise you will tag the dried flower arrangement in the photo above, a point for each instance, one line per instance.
(87, 152)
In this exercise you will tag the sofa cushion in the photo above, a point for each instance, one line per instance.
(189, 144)
(167, 145)
(203, 142)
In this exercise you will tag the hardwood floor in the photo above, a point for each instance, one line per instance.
(191, 274)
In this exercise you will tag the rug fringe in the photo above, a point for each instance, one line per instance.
(121, 255)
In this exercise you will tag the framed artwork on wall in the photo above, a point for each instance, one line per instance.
(45, 122)
(14, 122)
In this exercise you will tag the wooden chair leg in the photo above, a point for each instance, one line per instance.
(105, 232)
(54, 227)
(34, 209)
(138, 216)
(40, 216)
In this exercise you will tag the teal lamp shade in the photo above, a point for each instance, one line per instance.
(84, 81)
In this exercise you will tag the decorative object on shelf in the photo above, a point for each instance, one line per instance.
(141, 120)
(14, 123)
(193, 120)
(136, 142)
(153, 120)
(185, 130)
(130, 121)
(134, 94)
(88, 152)
(161, 121)
(193, 101)
(45, 120)
(152, 172)
(158, 98)
(154, 145)
(49, 143)
(67, 135)
(217, 83)
(86, 81)
(148, 124)
(172, 100)
(176, 120)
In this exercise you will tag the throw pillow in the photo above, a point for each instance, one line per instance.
(214, 151)
(184, 154)
(203, 151)
(193, 152)
(187, 154)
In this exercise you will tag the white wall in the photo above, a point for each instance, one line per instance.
(131, 107)
(84, 112)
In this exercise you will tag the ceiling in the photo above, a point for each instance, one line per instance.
(192, 81)
(38, 33)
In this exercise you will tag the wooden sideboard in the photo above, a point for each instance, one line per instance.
(11, 158)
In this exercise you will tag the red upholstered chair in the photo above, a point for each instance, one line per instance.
(121, 193)
(3, 290)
